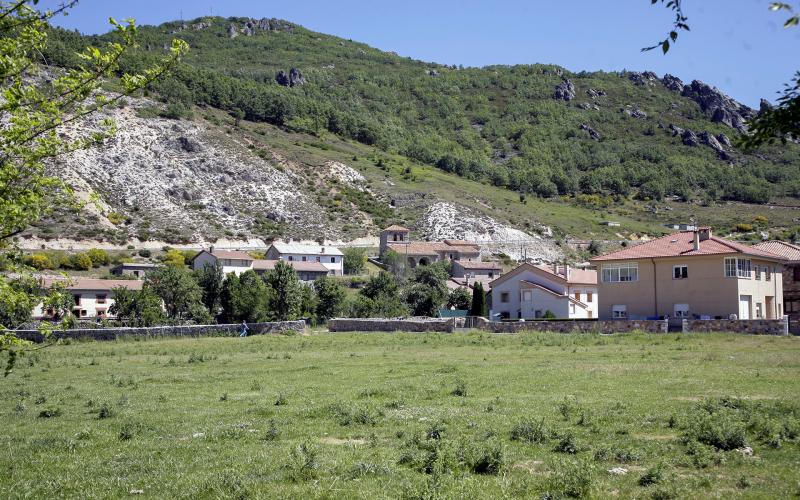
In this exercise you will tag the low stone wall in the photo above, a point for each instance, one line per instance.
(577, 326)
(226, 330)
(390, 325)
(751, 326)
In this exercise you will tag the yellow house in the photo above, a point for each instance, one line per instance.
(690, 274)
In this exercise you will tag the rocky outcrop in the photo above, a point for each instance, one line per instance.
(633, 112)
(232, 31)
(721, 108)
(564, 91)
(764, 106)
(672, 83)
(689, 138)
(295, 77)
(645, 78)
(676, 130)
(594, 134)
(723, 139)
(712, 142)
(432, 72)
(594, 93)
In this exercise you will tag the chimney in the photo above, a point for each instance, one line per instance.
(211, 249)
(696, 240)
(555, 268)
(566, 272)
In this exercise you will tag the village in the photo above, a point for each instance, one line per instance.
(690, 274)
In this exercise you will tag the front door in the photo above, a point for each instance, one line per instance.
(769, 304)
(744, 306)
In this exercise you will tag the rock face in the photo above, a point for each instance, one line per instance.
(633, 112)
(723, 139)
(180, 179)
(642, 78)
(594, 134)
(232, 31)
(293, 78)
(720, 107)
(689, 138)
(672, 83)
(449, 221)
(764, 106)
(564, 91)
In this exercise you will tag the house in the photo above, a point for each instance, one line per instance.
(306, 271)
(690, 274)
(232, 261)
(791, 274)
(138, 269)
(421, 253)
(475, 269)
(530, 291)
(328, 256)
(93, 297)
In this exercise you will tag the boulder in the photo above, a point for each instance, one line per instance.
(723, 139)
(296, 78)
(672, 83)
(720, 107)
(710, 141)
(764, 106)
(594, 93)
(633, 112)
(432, 72)
(232, 31)
(642, 78)
(282, 78)
(594, 134)
(676, 130)
(564, 91)
(689, 138)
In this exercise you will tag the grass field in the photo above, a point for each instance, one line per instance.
(405, 415)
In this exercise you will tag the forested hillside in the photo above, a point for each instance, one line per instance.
(535, 129)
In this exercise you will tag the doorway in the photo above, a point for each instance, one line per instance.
(745, 303)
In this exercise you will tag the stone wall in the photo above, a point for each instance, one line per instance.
(576, 326)
(227, 330)
(752, 326)
(390, 325)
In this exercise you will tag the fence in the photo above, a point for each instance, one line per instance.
(225, 330)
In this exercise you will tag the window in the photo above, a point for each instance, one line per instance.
(730, 267)
(757, 270)
(759, 310)
(740, 268)
(83, 312)
(290, 258)
(767, 273)
(743, 268)
(77, 300)
(578, 296)
(619, 311)
(504, 297)
(680, 272)
(681, 310)
(588, 296)
(333, 260)
(616, 273)
(303, 258)
(101, 299)
(572, 308)
(318, 258)
(491, 274)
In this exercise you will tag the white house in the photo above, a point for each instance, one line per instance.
(529, 291)
(328, 256)
(476, 269)
(306, 271)
(93, 297)
(232, 261)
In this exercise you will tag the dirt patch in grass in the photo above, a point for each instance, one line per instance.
(337, 441)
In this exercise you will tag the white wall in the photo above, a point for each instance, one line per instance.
(236, 266)
(336, 266)
(542, 299)
(88, 303)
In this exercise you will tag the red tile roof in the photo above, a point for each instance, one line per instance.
(308, 266)
(231, 254)
(395, 227)
(780, 248)
(77, 284)
(681, 244)
(432, 247)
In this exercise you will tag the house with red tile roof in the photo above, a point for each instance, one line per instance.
(416, 253)
(530, 291)
(93, 297)
(690, 274)
(232, 261)
(791, 275)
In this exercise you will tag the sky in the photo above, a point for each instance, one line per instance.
(737, 45)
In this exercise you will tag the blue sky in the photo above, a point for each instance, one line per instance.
(736, 45)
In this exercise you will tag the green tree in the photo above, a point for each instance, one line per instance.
(174, 258)
(182, 296)
(210, 279)
(286, 303)
(478, 307)
(80, 261)
(138, 307)
(380, 297)
(330, 298)
(355, 260)
(99, 257)
(460, 298)
(18, 297)
(427, 290)
(58, 302)
(245, 298)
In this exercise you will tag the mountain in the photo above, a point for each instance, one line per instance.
(268, 129)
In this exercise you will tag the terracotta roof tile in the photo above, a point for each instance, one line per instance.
(309, 266)
(681, 244)
(474, 264)
(576, 276)
(78, 284)
(395, 227)
(231, 254)
(780, 248)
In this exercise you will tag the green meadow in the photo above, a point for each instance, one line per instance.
(465, 415)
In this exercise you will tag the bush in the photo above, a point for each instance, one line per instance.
(39, 261)
(80, 262)
(722, 429)
(570, 478)
(459, 390)
(530, 431)
(99, 257)
(744, 228)
(487, 458)
(145, 253)
(303, 463)
(566, 444)
(654, 475)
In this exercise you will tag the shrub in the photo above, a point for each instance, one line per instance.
(303, 463)
(487, 458)
(80, 262)
(459, 390)
(566, 444)
(530, 431)
(50, 413)
(654, 475)
(99, 257)
(570, 478)
(272, 432)
(280, 400)
(744, 228)
(145, 253)
(436, 430)
(39, 261)
(723, 429)
(105, 411)
(127, 432)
